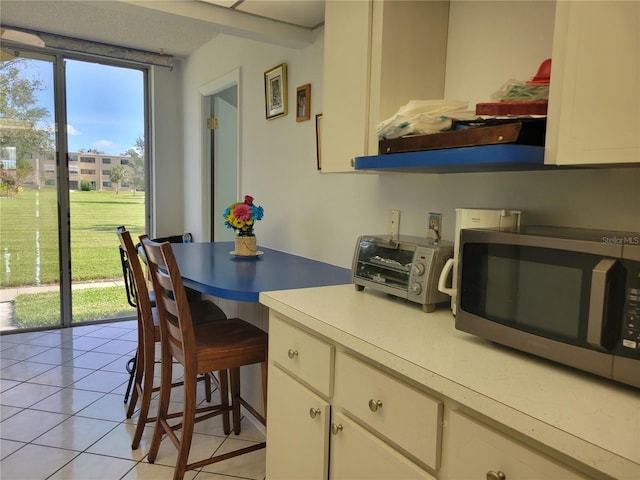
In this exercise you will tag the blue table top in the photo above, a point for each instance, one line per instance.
(211, 268)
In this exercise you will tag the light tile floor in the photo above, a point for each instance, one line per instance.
(63, 413)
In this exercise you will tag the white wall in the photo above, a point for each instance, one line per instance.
(166, 142)
(320, 215)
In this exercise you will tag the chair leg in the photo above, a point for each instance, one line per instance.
(207, 387)
(137, 381)
(235, 398)
(163, 407)
(147, 368)
(131, 368)
(188, 420)
(224, 400)
(136, 372)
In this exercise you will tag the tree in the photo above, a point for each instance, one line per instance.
(22, 123)
(137, 164)
(118, 175)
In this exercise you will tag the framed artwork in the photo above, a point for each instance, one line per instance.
(303, 103)
(319, 141)
(275, 91)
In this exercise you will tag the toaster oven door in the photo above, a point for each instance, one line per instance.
(383, 266)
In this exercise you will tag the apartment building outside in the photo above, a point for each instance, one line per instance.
(93, 168)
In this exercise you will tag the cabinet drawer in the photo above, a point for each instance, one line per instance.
(473, 450)
(407, 417)
(301, 354)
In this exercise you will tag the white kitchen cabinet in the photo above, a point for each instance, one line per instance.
(475, 450)
(472, 403)
(372, 50)
(378, 56)
(358, 455)
(299, 420)
(298, 431)
(594, 104)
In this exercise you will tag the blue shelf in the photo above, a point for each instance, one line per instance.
(485, 158)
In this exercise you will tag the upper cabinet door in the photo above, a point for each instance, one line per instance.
(378, 55)
(594, 103)
(347, 40)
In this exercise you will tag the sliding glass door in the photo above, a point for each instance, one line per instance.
(63, 191)
(29, 236)
(105, 137)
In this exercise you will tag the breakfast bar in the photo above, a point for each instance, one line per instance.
(212, 268)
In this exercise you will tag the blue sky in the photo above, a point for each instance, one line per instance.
(105, 105)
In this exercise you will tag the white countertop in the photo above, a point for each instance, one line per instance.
(593, 420)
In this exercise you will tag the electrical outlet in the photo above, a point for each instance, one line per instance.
(435, 225)
(394, 223)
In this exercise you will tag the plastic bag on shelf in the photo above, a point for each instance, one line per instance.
(419, 117)
(518, 91)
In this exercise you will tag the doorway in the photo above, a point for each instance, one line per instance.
(224, 159)
(221, 154)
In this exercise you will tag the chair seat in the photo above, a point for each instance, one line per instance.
(228, 344)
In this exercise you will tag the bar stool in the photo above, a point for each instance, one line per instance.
(149, 335)
(222, 345)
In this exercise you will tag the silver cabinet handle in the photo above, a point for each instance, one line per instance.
(336, 428)
(374, 405)
(314, 412)
(292, 353)
(491, 475)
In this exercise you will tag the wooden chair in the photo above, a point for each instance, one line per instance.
(129, 285)
(227, 344)
(149, 335)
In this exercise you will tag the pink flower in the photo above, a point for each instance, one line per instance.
(242, 211)
(248, 200)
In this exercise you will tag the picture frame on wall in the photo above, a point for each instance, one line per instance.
(275, 91)
(319, 141)
(303, 103)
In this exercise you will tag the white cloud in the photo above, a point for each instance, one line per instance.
(71, 130)
(104, 145)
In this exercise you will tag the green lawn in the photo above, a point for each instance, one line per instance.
(29, 235)
(42, 309)
(29, 245)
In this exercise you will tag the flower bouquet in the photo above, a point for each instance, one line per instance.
(241, 216)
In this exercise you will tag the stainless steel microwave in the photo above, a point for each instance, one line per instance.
(568, 295)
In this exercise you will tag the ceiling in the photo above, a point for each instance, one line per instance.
(303, 13)
(173, 27)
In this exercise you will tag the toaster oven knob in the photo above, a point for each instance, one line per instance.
(418, 268)
(416, 288)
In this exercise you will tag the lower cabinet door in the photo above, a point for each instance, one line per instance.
(297, 430)
(475, 450)
(357, 454)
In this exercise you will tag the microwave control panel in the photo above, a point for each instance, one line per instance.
(631, 325)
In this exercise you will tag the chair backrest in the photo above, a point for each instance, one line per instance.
(176, 326)
(139, 283)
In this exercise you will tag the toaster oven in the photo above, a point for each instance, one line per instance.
(407, 268)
